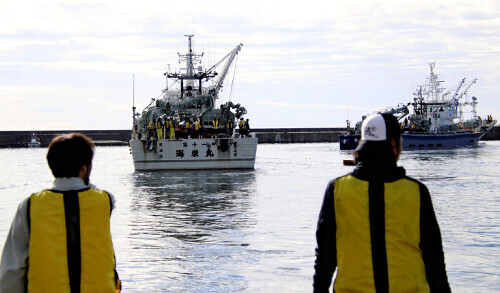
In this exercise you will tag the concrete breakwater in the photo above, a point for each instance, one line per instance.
(14, 139)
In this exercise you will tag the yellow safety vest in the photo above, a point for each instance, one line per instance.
(70, 242)
(402, 236)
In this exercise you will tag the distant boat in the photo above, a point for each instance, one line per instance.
(34, 141)
(436, 121)
(194, 133)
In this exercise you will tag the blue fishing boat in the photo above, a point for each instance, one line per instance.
(435, 119)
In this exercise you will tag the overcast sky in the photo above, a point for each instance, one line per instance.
(68, 65)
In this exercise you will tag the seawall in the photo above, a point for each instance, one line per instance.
(13, 139)
(16, 139)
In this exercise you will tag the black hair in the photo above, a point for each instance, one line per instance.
(67, 153)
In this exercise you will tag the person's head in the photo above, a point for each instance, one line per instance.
(380, 139)
(70, 155)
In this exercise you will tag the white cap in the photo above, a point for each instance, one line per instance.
(373, 128)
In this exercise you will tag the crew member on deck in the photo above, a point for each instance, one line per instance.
(188, 127)
(165, 130)
(247, 127)
(196, 128)
(241, 125)
(151, 129)
(215, 126)
(159, 128)
(230, 127)
(199, 128)
(172, 129)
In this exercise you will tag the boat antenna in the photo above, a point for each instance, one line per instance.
(166, 79)
(133, 97)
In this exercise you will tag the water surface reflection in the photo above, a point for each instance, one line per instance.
(193, 223)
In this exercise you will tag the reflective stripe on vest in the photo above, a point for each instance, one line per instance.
(378, 236)
(70, 242)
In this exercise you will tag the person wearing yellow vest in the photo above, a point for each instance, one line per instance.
(60, 239)
(167, 128)
(188, 127)
(215, 126)
(151, 128)
(159, 128)
(172, 129)
(230, 127)
(241, 125)
(377, 226)
(197, 128)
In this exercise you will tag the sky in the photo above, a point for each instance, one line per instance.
(81, 65)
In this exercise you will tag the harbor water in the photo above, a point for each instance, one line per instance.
(254, 231)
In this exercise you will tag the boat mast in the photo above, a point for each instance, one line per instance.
(189, 57)
(166, 77)
(434, 90)
(133, 98)
(190, 74)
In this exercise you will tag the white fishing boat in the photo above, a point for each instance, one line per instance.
(185, 129)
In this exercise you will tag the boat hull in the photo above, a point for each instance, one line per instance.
(348, 141)
(419, 141)
(189, 154)
(413, 141)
